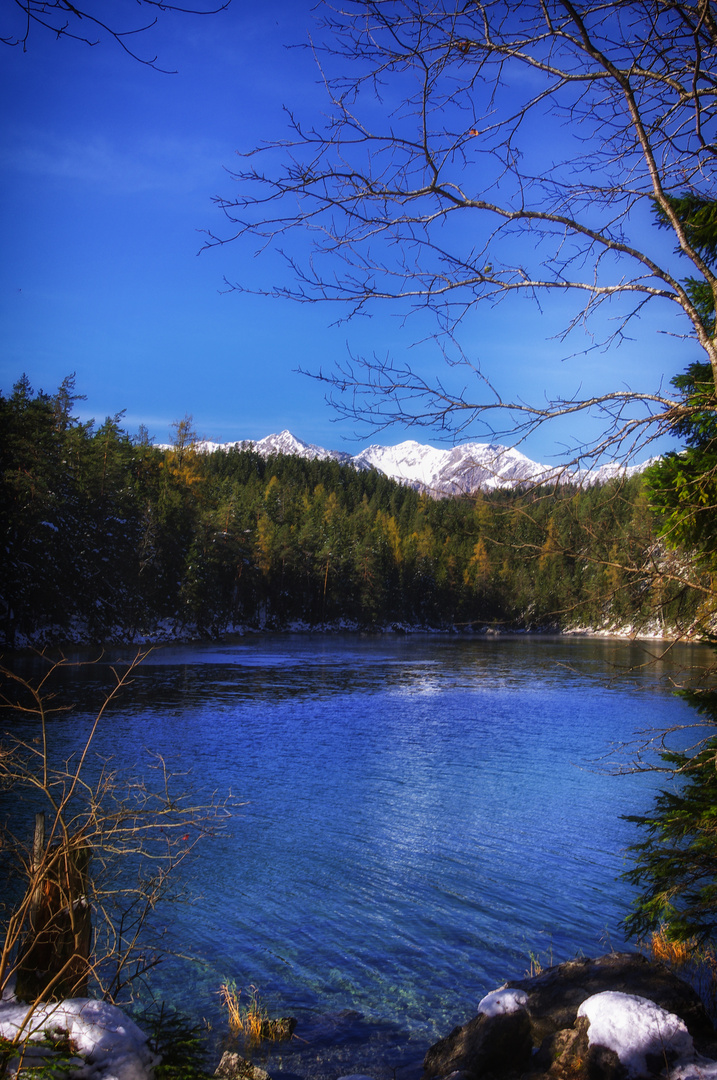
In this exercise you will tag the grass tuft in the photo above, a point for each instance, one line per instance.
(539, 963)
(251, 1020)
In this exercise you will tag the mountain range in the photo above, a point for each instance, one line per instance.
(459, 470)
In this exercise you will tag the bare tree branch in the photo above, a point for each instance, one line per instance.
(432, 112)
(79, 897)
(88, 25)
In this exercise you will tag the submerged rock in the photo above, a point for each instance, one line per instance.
(602, 1019)
(234, 1067)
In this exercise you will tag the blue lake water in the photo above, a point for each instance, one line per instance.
(421, 814)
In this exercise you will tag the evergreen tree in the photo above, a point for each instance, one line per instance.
(108, 536)
(676, 866)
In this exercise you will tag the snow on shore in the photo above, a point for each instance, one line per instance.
(108, 1045)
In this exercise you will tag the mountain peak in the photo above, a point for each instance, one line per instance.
(457, 470)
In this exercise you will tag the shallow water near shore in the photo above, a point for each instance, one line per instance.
(421, 814)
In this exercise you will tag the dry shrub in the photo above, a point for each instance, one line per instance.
(694, 962)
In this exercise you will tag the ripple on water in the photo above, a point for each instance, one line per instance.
(421, 815)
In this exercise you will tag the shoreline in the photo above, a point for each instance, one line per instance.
(170, 633)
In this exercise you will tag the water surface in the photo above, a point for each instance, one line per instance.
(421, 814)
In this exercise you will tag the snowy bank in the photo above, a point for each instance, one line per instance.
(104, 1042)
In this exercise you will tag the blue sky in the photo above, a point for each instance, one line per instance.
(108, 174)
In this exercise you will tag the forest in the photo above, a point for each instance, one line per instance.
(109, 538)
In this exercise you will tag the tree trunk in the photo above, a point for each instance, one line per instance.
(55, 957)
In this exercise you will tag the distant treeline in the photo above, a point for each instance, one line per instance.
(107, 537)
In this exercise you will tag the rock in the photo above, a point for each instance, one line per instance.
(573, 1058)
(498, 1043)
(283, 1028)
(234, 1067)
(533, 1027)
(645, 1037)
(556, 994)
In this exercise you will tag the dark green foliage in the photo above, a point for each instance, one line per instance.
(676, 866)
(110, 536)
(60, 1062)
(180, 1044)
(683, 486)
(698, 217)
(71, 514)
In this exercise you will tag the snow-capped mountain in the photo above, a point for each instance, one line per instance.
(286, 443)
(459, 470)
(602, 473)
(282, 443)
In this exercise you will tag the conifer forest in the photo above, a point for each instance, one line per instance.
(109, 538)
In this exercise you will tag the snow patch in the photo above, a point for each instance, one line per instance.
(499, 1002)
(635, 1027)
(113, 1047)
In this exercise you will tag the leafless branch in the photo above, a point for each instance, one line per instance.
(424, 186)
(105, 851)
(88, 25)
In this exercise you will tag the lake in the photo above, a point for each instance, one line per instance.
(422, 815)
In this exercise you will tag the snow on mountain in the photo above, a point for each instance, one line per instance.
(459, 470)
(409, 462)
(602, 473)
(286, 443)
(282, 443)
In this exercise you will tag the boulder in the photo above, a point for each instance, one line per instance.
(234, 1067)
(487, 1044)
(645, 1037)
(557, 993)
(535, 1027)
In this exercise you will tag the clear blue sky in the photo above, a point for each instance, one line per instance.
(108, 172)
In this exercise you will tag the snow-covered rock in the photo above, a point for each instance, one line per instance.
(617, 1017)
(636, 1029)
(499, 1002)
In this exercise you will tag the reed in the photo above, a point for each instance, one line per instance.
(539, 963)
(251, 1020)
